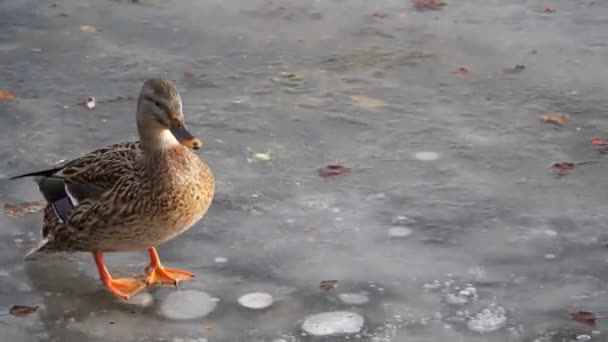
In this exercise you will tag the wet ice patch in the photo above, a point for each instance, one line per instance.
(256, 300)
(353, 298)
(488, 320)
(333, 323)
(188, 304)
(399, 232)
(426, 155)
(143, 299)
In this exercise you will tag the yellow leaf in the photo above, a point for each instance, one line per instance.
(367, 102)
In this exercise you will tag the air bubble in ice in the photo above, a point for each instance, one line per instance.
(256, 300)
(333, 323)
(188, 304)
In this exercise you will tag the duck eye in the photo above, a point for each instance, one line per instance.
(158, 104)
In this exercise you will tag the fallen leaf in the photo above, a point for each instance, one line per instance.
(599, 141)
(208, 328)
(328, 284)
(555, 119)
(333, 170)
(89, 28)
(23, 208)
(461, 147)
(562, 167)
(367, 102)
(514, 70)
(263, 156)
(549, 10)
(267, 85)
(584, 317)
(188, 74)
(22, 310)
(428, 4)
(380, 14)
(462, 71)
(6, 95)
(310, 229)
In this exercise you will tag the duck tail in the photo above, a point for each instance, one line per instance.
(38, 174)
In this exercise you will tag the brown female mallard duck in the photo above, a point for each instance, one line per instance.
(130, 196)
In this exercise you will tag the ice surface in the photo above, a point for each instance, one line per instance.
(256, 300)
(187, 304)
(368, 84)
(333, 323)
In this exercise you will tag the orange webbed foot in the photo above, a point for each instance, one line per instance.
(157, 274)
(124, 288)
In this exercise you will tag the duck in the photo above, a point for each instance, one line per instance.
(130, 196)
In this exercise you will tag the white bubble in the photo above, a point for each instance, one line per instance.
(550, 256)
(426, 155)
(220, 260)
(188, 304)
(353, 298)
(256, 300)
(399, 232)
(490, 319)
(333, 323)
(583, 338)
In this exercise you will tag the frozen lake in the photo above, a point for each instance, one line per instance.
(450, 226)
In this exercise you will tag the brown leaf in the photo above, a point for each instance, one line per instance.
(23, 208)
(328, 284)
(462, 71)
(333, 170)
(549, 10)
(188, 74)
(22, 310)
(584, 317)
(562, 167)
(428, 4)
(599, 141)
(555, 119)
(6, 95)
(514, 70)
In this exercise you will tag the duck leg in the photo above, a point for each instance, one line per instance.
(124, 288)
(157, 274)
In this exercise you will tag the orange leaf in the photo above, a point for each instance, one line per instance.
(328, 284)
(22, 310)
(599, 141)
(6, 95)
(555, 119)
(23, 208)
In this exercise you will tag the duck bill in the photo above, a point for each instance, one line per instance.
(185, 137)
